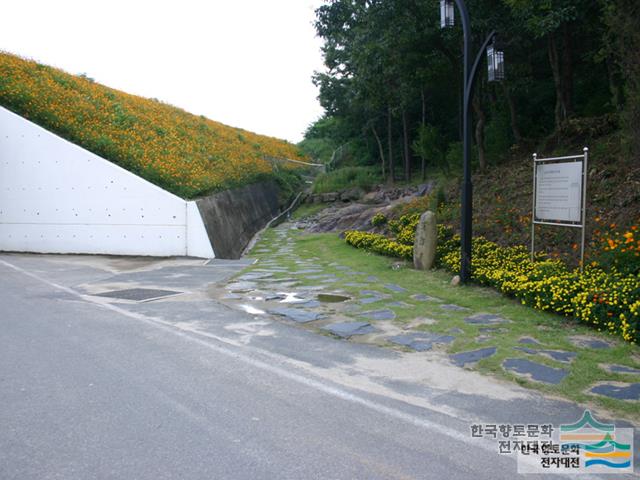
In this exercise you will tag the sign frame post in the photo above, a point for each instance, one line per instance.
(562, 222)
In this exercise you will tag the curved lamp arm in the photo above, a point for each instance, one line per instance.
(474, 70)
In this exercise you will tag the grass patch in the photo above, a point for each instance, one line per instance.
(347, 177)
(307, 210)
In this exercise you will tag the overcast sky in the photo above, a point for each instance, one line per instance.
(246, 63)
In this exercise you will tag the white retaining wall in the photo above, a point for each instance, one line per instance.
(56, 197)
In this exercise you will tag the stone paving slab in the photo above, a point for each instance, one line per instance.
(535, 371)
(621, 369)
(453, 308)
(421, 297)
(422, 341)
(463, 358)
(483, 338)
(557, 355)
(617, 390)
(311, 304)
(395, 288)
(368, 300)
(485, 319)
(348, 329)
(296, 314)
(311, 288)
(589, 342)
(400, 305)
(385, 314)
(240, 287)
(492, 330)
(371, 296)
(529, 341)
(372, 292)
(351, 308)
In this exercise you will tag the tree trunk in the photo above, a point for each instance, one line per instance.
(513, 113)
(615, 85)
(423, 161)
(560, 112)
(567, 69)
(405, 143)
(381, 151)
(562, 69)
(480, 123)
(392, 175)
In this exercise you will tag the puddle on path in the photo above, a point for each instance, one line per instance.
(332, 298)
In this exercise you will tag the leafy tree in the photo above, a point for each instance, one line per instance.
(393, 77)
(427, 146)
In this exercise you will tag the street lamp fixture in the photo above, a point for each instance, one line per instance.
(495, 58)
(495, 64)
(447, 16)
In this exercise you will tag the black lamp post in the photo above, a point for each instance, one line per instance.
(495, 60)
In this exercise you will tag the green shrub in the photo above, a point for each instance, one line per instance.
(348, 177)
(378, 219)
(619, 249)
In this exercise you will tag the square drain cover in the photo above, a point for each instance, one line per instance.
(138, 294)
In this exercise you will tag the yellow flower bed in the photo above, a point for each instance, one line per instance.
(187, 154)
(608, 299)
(373, 242)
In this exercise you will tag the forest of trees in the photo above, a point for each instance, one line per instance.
(392, 85)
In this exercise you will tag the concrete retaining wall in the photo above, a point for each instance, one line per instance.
(233, 217)
(56, 197)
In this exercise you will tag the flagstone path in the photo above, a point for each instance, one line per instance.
(336, 300)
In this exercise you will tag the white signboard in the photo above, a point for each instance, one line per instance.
(559, 192)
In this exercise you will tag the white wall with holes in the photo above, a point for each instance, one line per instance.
(56, 197)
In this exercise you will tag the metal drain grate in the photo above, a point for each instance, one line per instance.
(138, 294)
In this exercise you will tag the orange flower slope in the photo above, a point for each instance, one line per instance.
(187, 154)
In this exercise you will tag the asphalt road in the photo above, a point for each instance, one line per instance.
(91, 389)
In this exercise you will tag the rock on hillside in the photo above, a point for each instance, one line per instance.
(340, 217)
